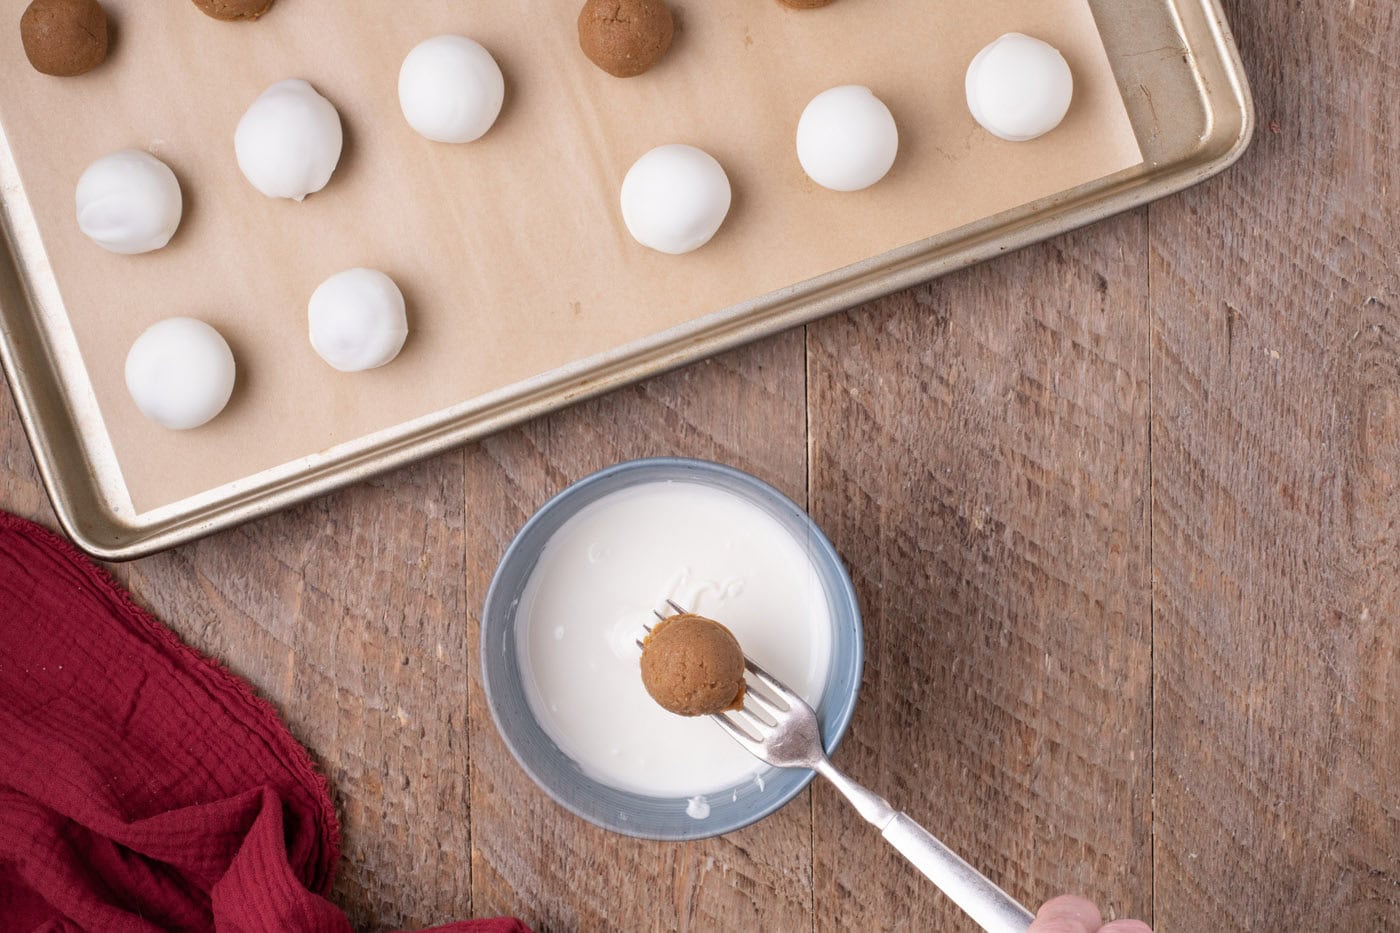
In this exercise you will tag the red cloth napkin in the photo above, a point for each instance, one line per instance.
(142, 786)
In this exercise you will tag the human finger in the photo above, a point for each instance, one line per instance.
(1067, 914)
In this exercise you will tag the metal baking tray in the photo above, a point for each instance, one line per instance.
(1186, 95)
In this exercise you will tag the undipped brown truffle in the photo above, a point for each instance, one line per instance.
(805, 4)
(693, 666)
(64, 37)
(230, 10)
(625, 37)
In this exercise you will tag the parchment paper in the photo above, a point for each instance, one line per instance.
(511, 251)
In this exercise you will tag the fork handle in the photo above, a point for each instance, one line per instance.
(992, 908)
(988, 905)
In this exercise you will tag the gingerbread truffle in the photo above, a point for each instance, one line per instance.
(693, 666)
(805, 4)
(625, 37)
(230, 10)
(64, 37)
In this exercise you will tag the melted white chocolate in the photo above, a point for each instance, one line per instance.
(593, 591)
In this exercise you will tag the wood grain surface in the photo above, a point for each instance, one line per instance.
(1276, 519)
(979, 454)
(1124, 514)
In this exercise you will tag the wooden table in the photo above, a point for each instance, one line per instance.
(1124, 514)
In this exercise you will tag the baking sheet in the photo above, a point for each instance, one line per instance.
(511, 251)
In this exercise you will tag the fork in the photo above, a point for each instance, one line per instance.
(777, 726)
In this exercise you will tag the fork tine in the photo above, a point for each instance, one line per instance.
(657, 613)
(759, 691)
(754, 723)
(772, 683)
(676, 606)
(737, 730)
(760, 711)
(764, 703)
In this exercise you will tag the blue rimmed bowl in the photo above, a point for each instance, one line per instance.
(624, 811)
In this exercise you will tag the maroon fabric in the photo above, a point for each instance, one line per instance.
(142, 786)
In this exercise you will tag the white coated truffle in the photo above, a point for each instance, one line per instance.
(451, 89)
(1019, 88)
(289, 141)
(847, 139)
(129, 202)
(675, 198)
(358, 320)
(180, 373)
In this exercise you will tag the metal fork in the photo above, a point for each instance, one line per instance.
(777, 726)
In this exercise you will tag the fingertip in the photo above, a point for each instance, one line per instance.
(1125, 926)
(1071, 907)
(1067, 914)
(1056, 925)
